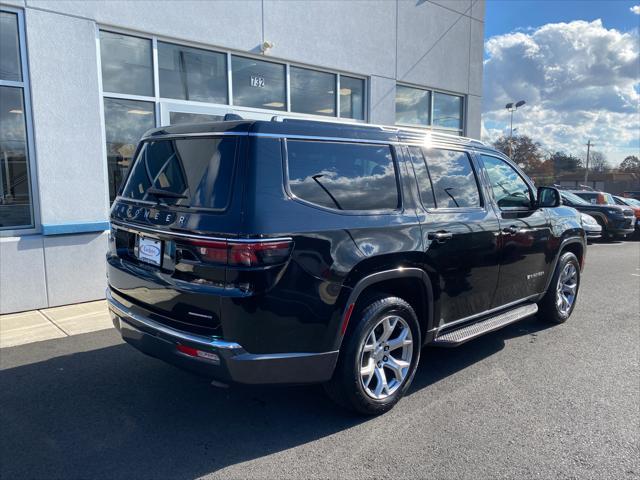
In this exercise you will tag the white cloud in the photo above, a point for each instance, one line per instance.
(580, 80)
(635, 9)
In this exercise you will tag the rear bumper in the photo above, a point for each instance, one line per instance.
(218, 359)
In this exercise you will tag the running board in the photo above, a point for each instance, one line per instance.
(456, 337)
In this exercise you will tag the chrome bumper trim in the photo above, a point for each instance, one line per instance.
(121, 310)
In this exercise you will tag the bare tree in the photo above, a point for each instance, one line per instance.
(598, 162)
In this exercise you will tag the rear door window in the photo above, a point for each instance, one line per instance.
(185, 172)
(343, 176)
(453, 179)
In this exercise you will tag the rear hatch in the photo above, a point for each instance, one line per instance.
(174, 244)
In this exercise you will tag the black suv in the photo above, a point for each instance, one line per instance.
(615, 220)
(294, 251)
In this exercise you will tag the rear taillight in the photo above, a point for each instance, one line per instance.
(211, 251)
(243, 254)
(256, 254)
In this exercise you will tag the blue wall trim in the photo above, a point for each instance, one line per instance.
(67, 228)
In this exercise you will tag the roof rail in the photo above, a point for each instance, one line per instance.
(386, 128)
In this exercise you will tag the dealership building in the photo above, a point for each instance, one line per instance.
(81, 81)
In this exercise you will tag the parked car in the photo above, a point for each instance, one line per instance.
(635, 194)
(616, 221)
(595, 197)
(296, 251)
(634, 205)
(591, 226)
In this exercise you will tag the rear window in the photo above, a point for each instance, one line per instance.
(343, 176)
(188, 172)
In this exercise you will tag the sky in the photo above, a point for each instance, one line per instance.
(575, 63)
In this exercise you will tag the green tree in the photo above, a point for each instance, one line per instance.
(563, 162)
(630, 164)
(523, 150)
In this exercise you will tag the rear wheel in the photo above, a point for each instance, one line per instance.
(560, 299)
(378, 358)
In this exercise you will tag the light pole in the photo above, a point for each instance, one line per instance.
(511, 107)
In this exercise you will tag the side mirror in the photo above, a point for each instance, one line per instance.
(548, 197)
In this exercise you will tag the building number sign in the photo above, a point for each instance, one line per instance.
(257, 81)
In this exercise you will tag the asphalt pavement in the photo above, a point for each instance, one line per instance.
(529, 401)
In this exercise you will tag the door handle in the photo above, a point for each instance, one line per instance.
(440, 237)
(511, 230)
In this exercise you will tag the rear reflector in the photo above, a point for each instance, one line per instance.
(243, 254)
(194, 352)
(347, 316)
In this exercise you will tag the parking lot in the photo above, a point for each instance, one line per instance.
(529, 401)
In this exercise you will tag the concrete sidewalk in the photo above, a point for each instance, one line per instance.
(38, 325)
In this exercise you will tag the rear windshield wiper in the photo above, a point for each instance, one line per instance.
(159, 193)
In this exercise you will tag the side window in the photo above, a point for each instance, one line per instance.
(422, 176)
(509, 189)
(453, 179)
(343, 176)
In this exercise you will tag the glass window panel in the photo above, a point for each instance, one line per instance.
(412, 106)
(199, 169)
(125, 122)
(509, 189)
(258, 84)
(176, 118)
(313, 92)
(422, 177)
(453, 179)
(192, 74)
(447, 111)
(15, 191)
(343, 176)
(351, 97)
(126, 64)
(10, 68)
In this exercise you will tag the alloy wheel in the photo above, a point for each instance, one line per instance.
(567, 288)
(386, 357)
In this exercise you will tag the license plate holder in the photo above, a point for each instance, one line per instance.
(149, 250)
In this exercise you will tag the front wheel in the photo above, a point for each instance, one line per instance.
(560, 299)
(378, 358)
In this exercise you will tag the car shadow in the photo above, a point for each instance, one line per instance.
(113, 413)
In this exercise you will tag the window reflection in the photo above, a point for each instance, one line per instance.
(447, 111)
(412, 106)
(125, 123)
(351, 97)
(176, 118)
(509, 189)
(313, 92)
(343, 176)
(192, 74)
(15, 192)
(258, 84)
(422, 177)
(453, 179)
(10, 68)
(126, 64)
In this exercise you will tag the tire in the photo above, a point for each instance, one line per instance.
(347, 386)
(552, 308)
